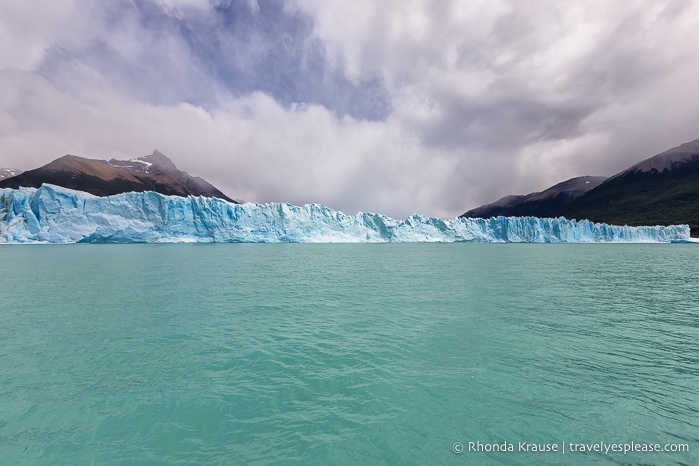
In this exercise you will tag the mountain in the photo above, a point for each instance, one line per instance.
(153, 172)
(540, 204)
(58, 215)
(8, 172)
(661, 190)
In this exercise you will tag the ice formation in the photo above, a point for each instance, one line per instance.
(52, 214)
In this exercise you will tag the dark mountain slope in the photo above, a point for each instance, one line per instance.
(540, 204)
(153, 172)
(661, 190)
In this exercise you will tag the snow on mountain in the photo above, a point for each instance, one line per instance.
(9, 173)
(52, 214)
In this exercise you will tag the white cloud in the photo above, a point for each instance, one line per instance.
(174, 4)
(26, 32)
(489, 98)
(251, 147)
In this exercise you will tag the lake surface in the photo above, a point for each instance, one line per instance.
(347, 354)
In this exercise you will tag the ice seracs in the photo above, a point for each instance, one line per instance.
(51, 214)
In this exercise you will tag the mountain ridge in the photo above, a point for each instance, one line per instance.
(537, 204)
(154, 172)
(659, 190)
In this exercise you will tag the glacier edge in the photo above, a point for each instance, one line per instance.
(52, 214)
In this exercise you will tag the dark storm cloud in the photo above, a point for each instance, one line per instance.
(512, 110)
(500, 124)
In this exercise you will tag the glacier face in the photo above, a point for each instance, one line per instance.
(52, 214)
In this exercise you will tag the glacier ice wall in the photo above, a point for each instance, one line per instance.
(52, 214)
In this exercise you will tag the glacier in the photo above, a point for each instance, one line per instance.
(51, 214)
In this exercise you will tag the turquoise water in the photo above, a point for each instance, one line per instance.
(346, 354)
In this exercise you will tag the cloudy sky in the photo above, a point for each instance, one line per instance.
(391, 106)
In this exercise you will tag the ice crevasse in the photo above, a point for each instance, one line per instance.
(52, 214)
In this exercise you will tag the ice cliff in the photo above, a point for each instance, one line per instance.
(51, 214)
